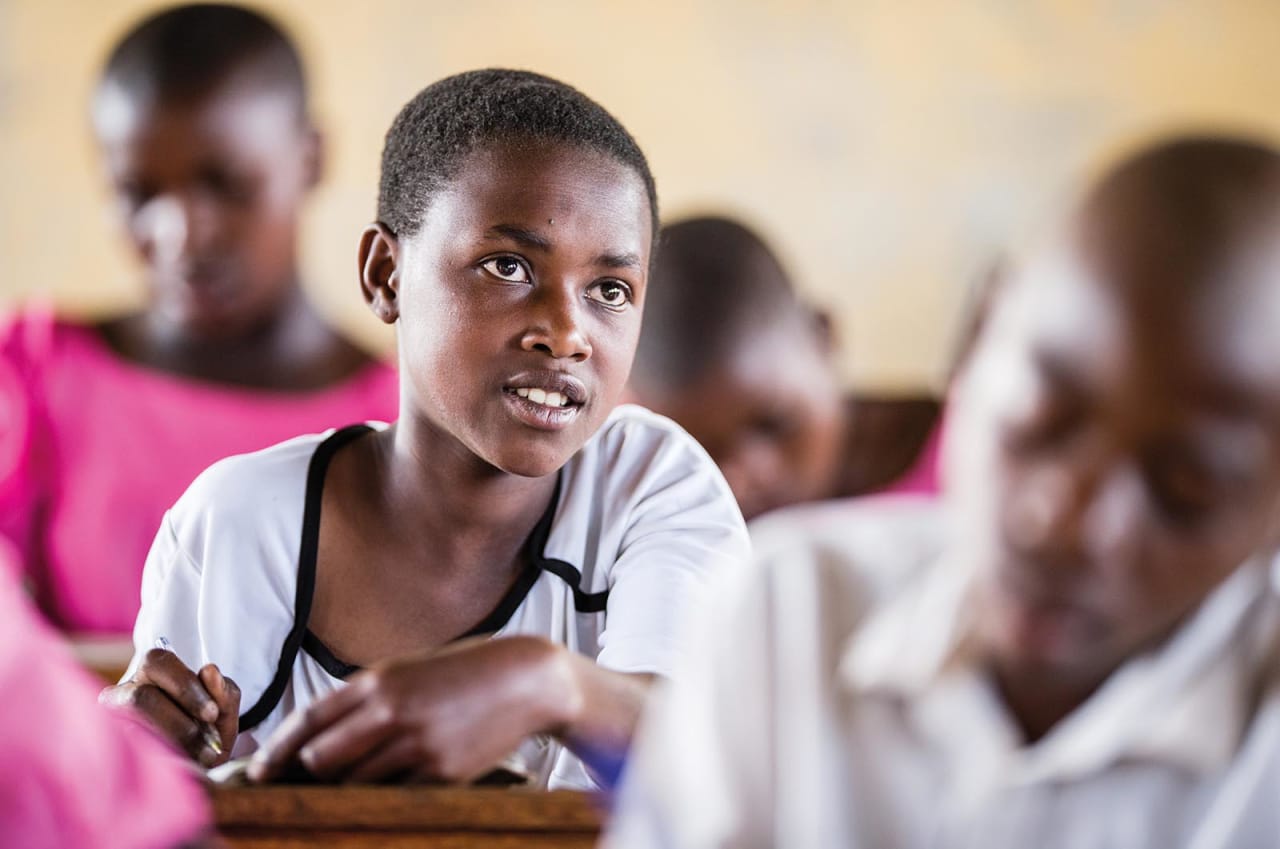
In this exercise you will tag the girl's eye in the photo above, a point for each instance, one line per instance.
(611, 293)
(506, 268)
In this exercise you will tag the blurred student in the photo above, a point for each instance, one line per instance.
(77, 774)
(1089, 654)
(504, 569)
(732, 354)
(202, 119)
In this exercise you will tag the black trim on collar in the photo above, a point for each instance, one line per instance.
(328, 661)
(306, 576)
(493, 622)
(301, 636)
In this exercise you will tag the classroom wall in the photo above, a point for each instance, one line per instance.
(889, 148)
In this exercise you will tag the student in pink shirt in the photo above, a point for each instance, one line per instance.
(201, 117)
(78, 774)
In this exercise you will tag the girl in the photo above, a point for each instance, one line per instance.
(507, 562)
(201, 117)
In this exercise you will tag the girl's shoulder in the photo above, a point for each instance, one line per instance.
(637, 454)
(634, 435)
(252, 489)
(641, 472)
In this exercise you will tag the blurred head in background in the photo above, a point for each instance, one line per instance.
(202, 120)
(729, 352)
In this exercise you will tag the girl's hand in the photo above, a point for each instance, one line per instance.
(199, 711)
(450, 716)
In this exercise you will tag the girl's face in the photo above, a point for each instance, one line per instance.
(208, 193)
(519, 302)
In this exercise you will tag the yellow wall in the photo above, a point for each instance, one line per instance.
(888, 147)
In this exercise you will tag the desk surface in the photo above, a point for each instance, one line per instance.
(395, 817)
(106, 656)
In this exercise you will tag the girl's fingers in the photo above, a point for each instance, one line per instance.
(298, 729)
(398, 757)
(331, 753)
(164, 670)
(224, 691)
(171, 718)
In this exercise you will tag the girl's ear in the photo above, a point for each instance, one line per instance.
(379, 258)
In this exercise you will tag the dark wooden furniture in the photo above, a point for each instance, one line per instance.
(286, 817)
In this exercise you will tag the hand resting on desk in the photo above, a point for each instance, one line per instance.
(453, 715)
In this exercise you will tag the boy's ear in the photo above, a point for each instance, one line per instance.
(314, 153)
(379, 258)
(824, 327)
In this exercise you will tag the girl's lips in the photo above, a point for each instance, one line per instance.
(549, 380)
(540, 416)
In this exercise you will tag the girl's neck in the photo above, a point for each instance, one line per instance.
(433, 486)
(291, 349)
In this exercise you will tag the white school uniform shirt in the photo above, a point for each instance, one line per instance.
(641, 520)
(838, 703)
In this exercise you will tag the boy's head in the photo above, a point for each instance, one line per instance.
(201, 115)
(516, 222)
(730, 353)
(1115, 453)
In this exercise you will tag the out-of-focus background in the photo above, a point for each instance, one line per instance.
(888, 148)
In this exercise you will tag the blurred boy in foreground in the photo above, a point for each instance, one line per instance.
(1090, 654)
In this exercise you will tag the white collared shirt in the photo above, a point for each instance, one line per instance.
(837, 702)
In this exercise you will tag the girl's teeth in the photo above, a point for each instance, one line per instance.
(543, 397)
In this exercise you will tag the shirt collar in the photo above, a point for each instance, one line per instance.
(1186, 703)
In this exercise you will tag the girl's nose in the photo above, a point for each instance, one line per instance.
(556, 328)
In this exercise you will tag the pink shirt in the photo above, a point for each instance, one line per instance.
(94, 449)
(77, 774)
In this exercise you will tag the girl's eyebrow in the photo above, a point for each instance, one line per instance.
(533, 239)
(627, 260)
(527, 238)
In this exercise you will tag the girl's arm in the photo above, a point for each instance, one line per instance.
(455, 714)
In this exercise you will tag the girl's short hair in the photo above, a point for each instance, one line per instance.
(448, 120)
(184, 52)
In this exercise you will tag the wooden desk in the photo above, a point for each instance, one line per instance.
(402, 817)
(105, 656)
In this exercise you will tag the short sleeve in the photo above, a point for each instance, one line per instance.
(684, 528)
(170, 599)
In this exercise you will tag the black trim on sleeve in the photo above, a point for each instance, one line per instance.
(583, 602)
(306, 573)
